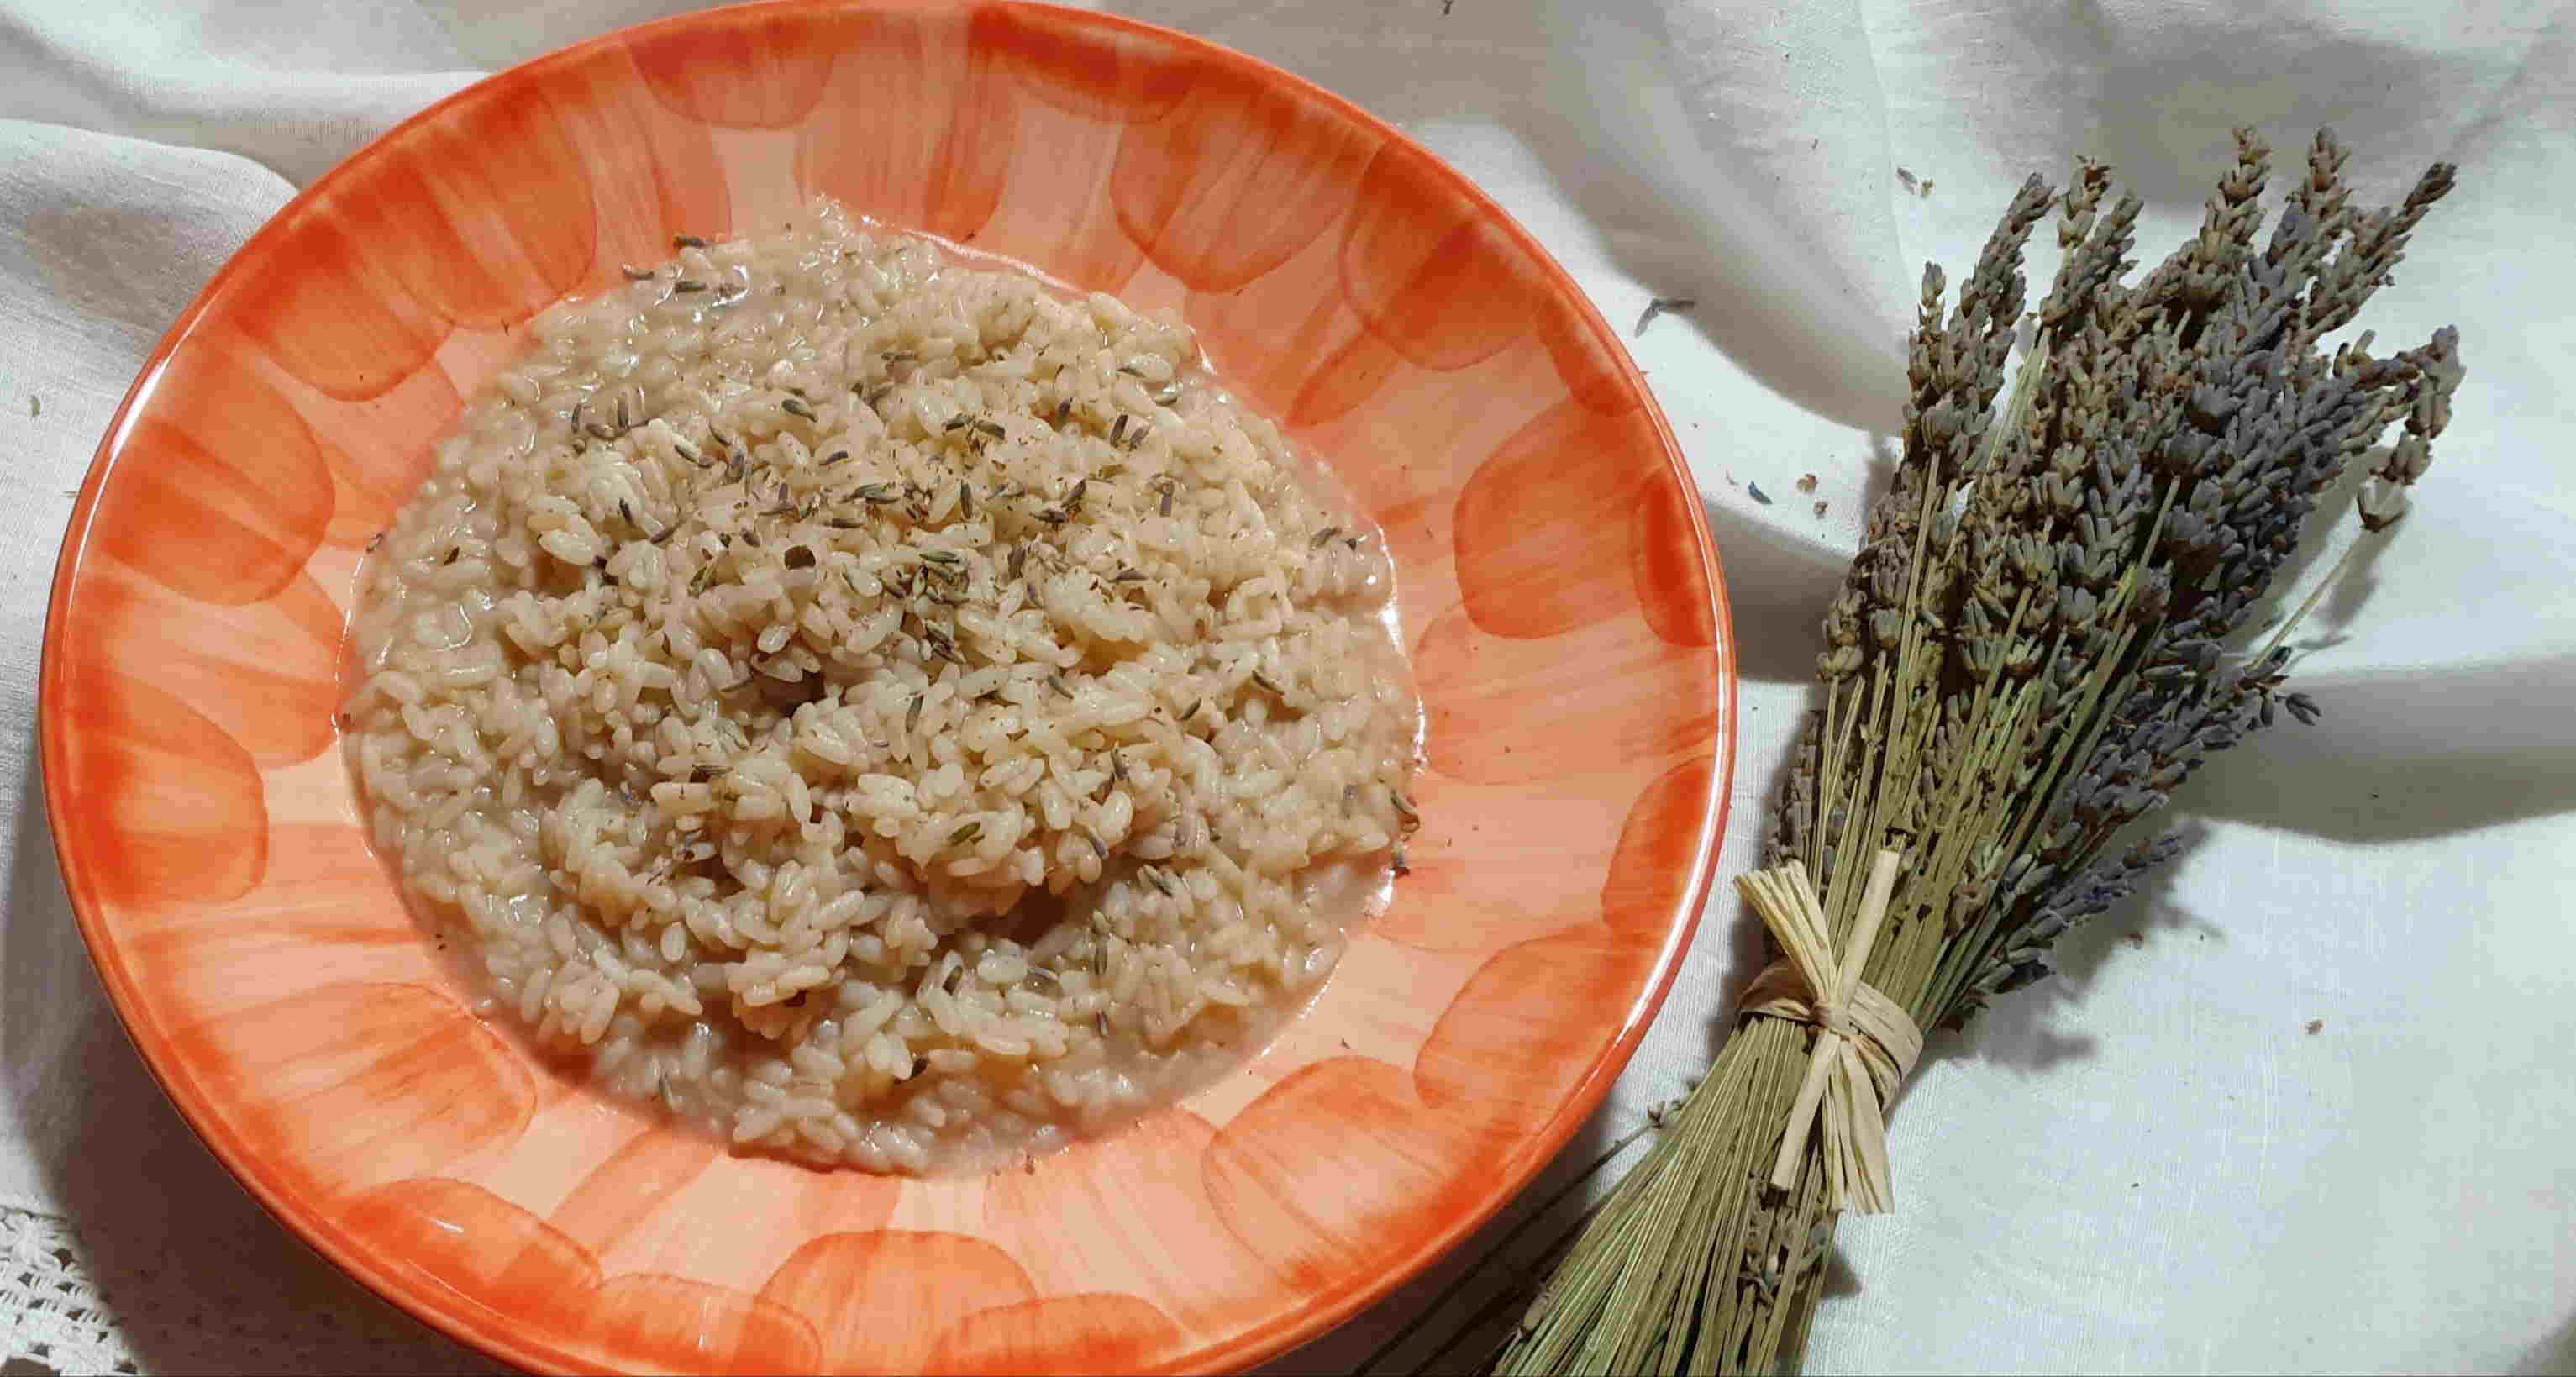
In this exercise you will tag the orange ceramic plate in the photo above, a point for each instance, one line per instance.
(1569, 638)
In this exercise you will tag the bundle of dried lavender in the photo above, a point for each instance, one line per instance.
(2028, 655)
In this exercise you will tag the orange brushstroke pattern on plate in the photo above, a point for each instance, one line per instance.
(1558, 583)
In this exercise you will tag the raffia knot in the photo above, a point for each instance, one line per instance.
(1866, 1044)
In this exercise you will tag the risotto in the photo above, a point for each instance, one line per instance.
(883, 708)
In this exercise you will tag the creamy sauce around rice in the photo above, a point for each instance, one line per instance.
(881, 707)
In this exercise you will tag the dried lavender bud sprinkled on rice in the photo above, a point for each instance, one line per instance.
(766, 766)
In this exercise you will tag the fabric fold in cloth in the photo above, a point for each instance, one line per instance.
(2222, 1141)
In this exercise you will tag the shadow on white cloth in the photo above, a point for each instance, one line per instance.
(198, 1278)
(1789, 167)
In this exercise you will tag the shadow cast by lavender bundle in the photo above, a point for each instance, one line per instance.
(2022, 1030)
(2386, 762)
(1486, 1277)
(2552, 1356)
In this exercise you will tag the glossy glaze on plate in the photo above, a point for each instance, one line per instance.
(1569, 646)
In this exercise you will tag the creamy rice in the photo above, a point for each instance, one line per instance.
(888, 710)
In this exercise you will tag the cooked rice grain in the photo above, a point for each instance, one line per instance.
(887, 710)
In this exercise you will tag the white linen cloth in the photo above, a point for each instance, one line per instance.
(2315, 1113)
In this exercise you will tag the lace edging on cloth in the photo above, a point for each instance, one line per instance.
(56, 1316)
(50, 1314)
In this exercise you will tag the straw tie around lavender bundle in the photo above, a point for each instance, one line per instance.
(1865, 1045)
(2029, 654)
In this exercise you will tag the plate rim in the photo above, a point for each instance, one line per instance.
(1260, 1341)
